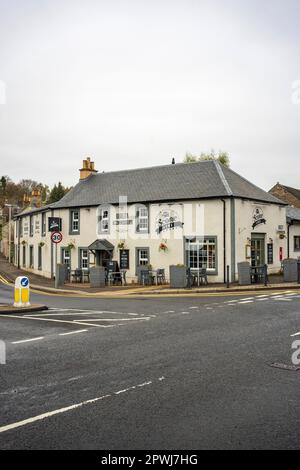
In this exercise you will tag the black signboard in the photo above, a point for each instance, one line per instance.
(124, 259)
(270, 253)
(54, 224)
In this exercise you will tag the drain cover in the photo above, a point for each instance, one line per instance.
(278, 365)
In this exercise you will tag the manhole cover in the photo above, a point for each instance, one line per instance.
(278, 365)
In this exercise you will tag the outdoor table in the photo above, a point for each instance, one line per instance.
(153, 274)
(256, 274)
(77, 273)
(85, 274)
(112, 274)
(198, 275)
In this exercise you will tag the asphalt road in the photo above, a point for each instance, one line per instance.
(176, 373)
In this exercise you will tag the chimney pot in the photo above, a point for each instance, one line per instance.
(88, 168)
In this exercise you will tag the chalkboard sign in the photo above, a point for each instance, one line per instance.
(270, 253)
(112, 266)
(124, 259)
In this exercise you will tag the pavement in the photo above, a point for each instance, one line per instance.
(148, 373)
(9, 308)
(9, 272)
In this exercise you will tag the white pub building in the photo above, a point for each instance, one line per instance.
(202, 215)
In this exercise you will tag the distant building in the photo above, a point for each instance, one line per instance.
(287, 194)
(293, 232)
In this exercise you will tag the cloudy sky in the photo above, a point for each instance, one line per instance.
(134, 83)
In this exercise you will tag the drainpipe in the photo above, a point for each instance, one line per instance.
(288, 238)
(19, 221)
(232, 223)
(224, 238)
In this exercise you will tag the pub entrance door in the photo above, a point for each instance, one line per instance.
(258, 249)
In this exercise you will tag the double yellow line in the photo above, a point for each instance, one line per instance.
(4, 281)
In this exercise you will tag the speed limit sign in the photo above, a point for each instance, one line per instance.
(56, 237)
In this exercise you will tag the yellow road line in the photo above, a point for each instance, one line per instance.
(133, 294)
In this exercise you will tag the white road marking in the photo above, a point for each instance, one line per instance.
(296, 334)
(191, 308)
(74, 322)
(231, 301)
(284, 300)
(145, 383)
(247, 298)
(113, 319)
(261, 300)
(247, 302)
(290, 295)
(28, 340)
(260, 296)
(43, 416)
(72, 332)
(86, 312)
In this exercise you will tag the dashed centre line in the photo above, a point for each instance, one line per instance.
(28, 340)
(43, 416)
(72, 332)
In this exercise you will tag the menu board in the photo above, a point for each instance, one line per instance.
(270, 253)
(124, 259)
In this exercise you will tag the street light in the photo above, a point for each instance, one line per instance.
(10, 206)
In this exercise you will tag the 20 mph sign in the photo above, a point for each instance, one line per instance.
(56, 237)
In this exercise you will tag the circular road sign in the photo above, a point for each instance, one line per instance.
(56, 237)
(24, 282)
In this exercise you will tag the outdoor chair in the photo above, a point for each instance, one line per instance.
(203, 276)
(161, 278)
(146, 277)
(77, 275)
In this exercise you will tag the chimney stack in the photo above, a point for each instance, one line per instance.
(88, 168)
(26, 200)
(36, 198)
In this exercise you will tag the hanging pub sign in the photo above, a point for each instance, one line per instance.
(124, 259)
(54, 224)
(167, 221)
(258, 217)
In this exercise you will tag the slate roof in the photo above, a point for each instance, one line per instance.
(101, 245)
(293, 214)
(295, 192)
(183, 181)
(33, 210)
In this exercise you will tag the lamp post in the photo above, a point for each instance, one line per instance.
(10, 206)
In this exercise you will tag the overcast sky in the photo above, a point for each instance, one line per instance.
(135, 83)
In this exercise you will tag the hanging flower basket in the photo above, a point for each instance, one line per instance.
(121, 245)
(23, 242)
(41, 244)
(163, 247)
(71, 246)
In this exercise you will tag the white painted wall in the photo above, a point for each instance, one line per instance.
(294, 231)
(200, 218)
(274, 216)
